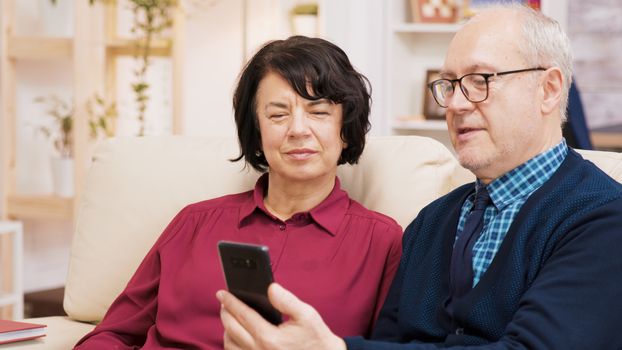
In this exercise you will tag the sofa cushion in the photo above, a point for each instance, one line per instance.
(135, 186)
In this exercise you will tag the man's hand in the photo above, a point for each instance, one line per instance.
(246, 329)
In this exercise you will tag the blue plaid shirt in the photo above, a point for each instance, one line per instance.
(508, 194)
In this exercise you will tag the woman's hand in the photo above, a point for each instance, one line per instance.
(245, 329)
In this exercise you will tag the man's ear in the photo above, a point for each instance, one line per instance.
(552, 87)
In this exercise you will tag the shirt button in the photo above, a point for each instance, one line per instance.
(459, 331)
(282, 227)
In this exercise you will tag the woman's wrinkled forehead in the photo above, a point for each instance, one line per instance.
(307, 83)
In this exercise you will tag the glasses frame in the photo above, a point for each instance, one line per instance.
(486, 76)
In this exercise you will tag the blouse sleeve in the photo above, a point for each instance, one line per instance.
(133, 313)
(392, 262)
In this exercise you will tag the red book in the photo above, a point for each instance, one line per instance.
(12, 331)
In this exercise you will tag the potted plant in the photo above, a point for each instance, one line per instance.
(58, 130)
(151, 18)
(303, 18)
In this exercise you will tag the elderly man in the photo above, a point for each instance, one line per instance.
(527, 257)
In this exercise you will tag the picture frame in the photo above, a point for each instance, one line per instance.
(431, 109)
(434, 11)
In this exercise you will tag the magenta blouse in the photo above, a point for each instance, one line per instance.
(339, 257)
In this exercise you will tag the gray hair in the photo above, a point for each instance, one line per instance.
(545, 44)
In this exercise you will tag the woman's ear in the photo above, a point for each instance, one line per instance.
(344, 143)
(552, 87)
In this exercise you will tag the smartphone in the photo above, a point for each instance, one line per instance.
(248, 275)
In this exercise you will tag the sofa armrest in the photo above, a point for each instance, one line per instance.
(62, 333)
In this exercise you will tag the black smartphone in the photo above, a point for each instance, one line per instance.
(248, 275)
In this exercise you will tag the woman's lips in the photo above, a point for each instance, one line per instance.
(301, 154)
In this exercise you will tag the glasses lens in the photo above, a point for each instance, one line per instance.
(441, 89)
(474, 87)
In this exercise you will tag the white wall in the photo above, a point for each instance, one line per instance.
(358, 27)
(214, 56)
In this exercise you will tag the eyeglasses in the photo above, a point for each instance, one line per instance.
(474, 86)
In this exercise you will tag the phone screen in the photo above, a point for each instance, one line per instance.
(248, 275)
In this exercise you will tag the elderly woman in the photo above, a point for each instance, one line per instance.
(301, 109)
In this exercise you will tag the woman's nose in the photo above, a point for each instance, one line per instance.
(299, 123)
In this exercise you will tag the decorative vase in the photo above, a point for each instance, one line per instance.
(62, 176)
(304, 25)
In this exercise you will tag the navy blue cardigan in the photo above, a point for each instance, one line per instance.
(555, 283)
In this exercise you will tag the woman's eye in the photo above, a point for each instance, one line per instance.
(320, 112)
(277, 116)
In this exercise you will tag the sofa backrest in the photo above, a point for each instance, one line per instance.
(609, 162)
(136, 185)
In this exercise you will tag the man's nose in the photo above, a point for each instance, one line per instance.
(458, 99)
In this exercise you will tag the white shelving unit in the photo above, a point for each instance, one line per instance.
(11, 281)
(91, 50)
(436, 129)
(412, 49)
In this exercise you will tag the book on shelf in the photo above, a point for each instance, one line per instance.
(12, 331)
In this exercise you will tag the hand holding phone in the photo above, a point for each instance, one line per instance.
(248, 275)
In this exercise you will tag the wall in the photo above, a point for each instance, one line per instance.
(358, 27)
(595, 30)
(213, 58)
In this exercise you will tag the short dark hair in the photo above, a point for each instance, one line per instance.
(303, 62)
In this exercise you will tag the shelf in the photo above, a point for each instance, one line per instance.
(39, 48)
(93, 61)
(611, 140)
(8, 299)
(40, 207)
(431, 28)
(432, 125)
(127, 47)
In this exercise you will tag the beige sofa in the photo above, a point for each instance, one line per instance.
(136, 186)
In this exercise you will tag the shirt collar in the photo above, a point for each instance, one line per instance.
(328, 214)
(523, 180)
(331, 211)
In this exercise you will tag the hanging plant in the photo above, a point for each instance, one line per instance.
(151, 18)
(102, 116)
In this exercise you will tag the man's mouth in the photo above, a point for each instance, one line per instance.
(467, 132)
